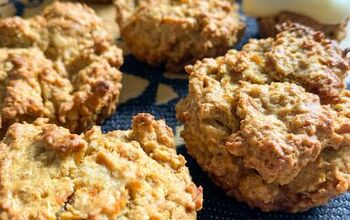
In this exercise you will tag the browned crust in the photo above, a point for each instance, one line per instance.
(270, 123)
(48, 173)
(177, 33)
(269, 25)
(62, 65)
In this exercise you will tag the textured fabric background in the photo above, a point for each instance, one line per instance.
(153, 90)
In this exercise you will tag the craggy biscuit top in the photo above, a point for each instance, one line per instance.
(282, 128)
(269, 123)
(48, 173)
(61, 65)
(178, 32)
(298, 55)
(75, 30)
(343, 104)
(30, 87)
(126, 8)
(64, 32)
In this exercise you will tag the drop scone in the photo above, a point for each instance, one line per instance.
(48, 173)
(178, 32)
(328, 16)
(271, 123)
(61, 65)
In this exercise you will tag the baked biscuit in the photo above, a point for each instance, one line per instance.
(61, 65)
(48, 173)
(176, 32)
(298, 55)
(328, 16)
(269, 26)
(259, 121)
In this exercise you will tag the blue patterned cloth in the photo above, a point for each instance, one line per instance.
(217, 206)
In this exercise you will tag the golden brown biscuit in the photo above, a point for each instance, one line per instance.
(260, 135)
(178, 32)
(269, 26)
(60, 65)
(48, 173)
(298, 55)
(343, 104)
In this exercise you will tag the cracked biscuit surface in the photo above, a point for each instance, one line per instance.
(178, 32)
(270, 123)
(298, 55)
(48, 173)
(61, 65)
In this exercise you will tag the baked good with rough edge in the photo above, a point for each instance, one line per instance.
(176, 33)
(61, 65)
(97, 1)
(48, 173)
(269, 26)
(259, 121)
(302, 56)
(298, 55)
